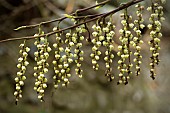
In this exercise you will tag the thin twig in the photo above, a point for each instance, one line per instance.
(62, 18)
(88, 16)
(128, 4)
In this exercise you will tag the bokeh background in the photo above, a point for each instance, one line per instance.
(93, 93)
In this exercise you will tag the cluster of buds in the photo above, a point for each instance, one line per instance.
(23, 63)
(108, 43)
(58, 62)
(67, 59)
(155, 26)
(41, 56)
(78, 53)
(124, 49)
(70, 51)
(97, 42)
(137, 39)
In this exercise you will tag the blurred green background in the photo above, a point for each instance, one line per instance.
(92, 93)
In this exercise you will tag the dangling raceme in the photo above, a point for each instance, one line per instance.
(155, 34)
(97, 42)
(67, 59)
(124, 49)
(108, 43)
(58, 62)
(137, 39)
(78, 52)
(41, 56)
(23, 63)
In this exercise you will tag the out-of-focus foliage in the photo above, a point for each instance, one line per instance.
(92, 94)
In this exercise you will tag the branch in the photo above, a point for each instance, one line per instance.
(126, 5)
(62, 18)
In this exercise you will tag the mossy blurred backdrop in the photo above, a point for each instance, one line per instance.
(93, 93)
